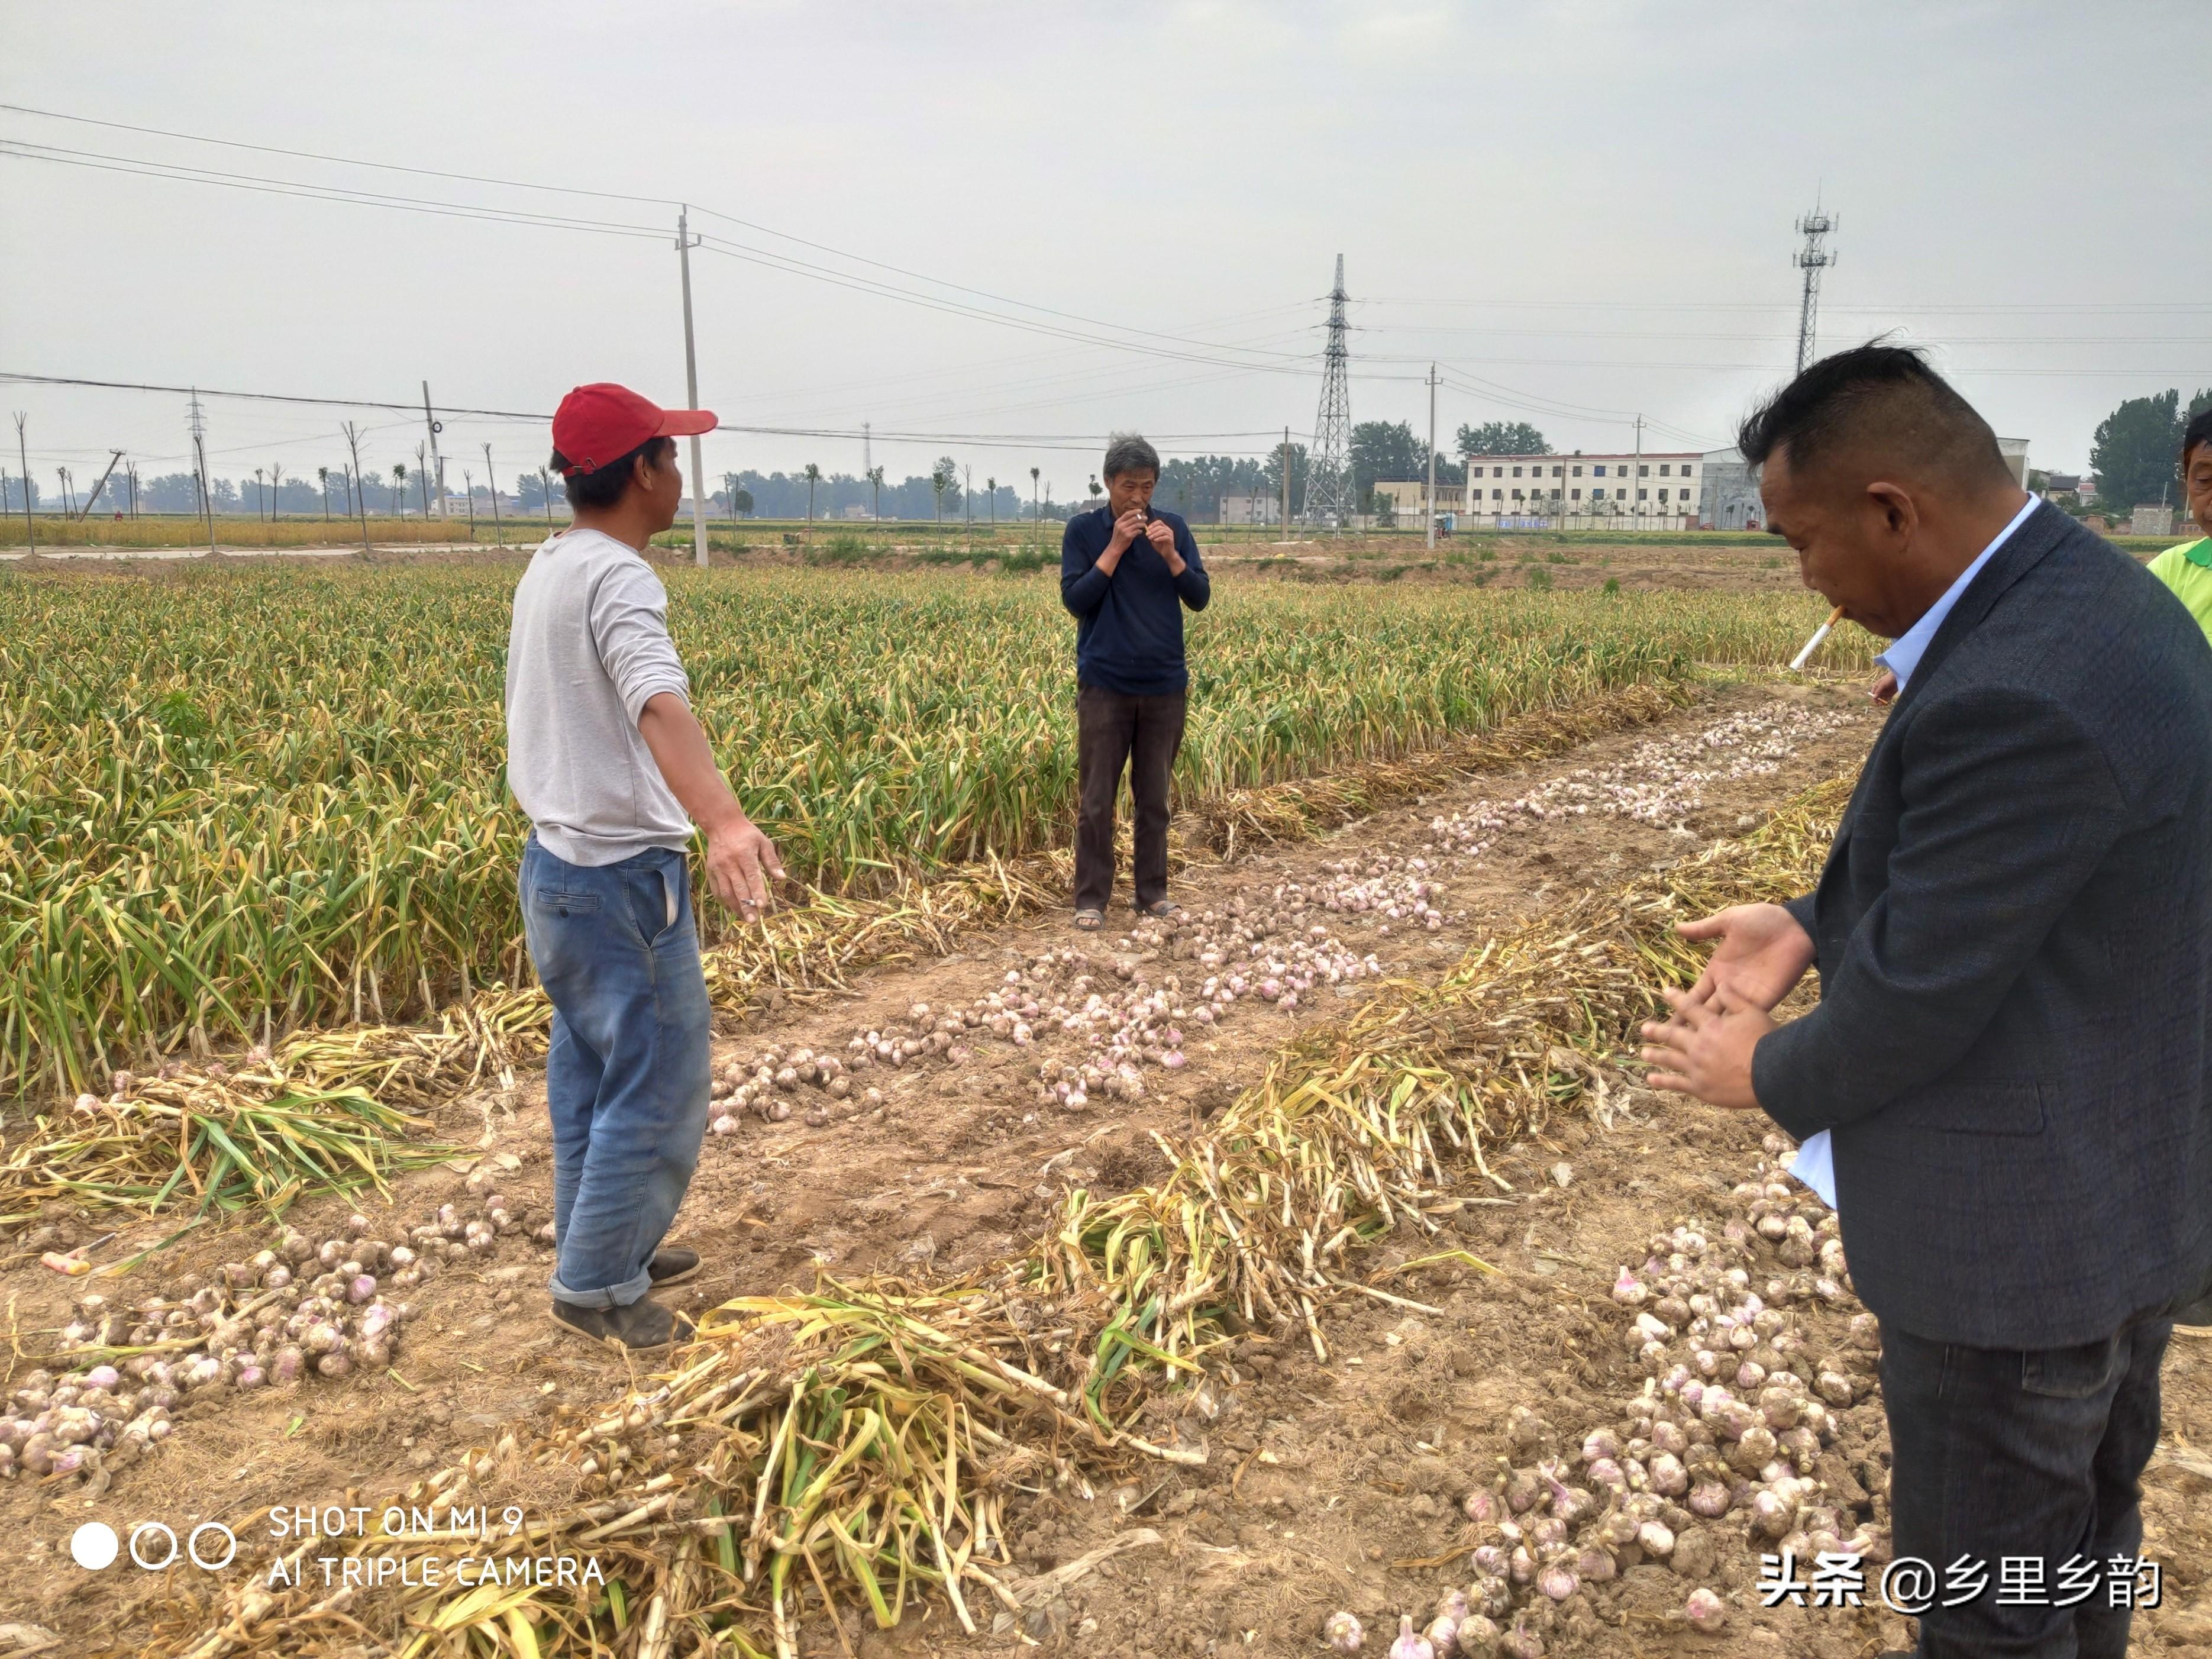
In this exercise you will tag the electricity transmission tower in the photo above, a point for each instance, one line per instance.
(1329, 498)
(196, 422)
(1813, 258)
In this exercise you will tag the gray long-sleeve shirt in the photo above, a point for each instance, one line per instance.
(588, 649)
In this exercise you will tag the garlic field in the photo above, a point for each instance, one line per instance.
(1309, 1261)
(234, 804)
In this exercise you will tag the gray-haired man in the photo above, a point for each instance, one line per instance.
(1126, 572)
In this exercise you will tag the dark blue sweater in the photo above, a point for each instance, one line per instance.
(1128, 633)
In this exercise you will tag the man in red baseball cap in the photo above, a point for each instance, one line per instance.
(605, 757)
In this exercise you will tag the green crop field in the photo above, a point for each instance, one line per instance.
(240, 796)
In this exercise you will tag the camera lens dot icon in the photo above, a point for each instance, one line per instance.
(94, 1545)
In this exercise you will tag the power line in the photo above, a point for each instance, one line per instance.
(27, 150)
(341, 160)
(1763, 339)
(1293, 363)
(1006, 439)
(1299, 364)
(19, 149)
(1994, 307)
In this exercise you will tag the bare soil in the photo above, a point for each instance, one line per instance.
(1327, 1486)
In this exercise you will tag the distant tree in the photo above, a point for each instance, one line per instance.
(876, 483)
(323, 477)
(275, 490)
(399, 488)
(742, 501)
(943, 477)
(2135, 453)
(813, 478)
(1035, 511)
(1384, 449)
(1501, 438)
(992, 484)
(258, 492)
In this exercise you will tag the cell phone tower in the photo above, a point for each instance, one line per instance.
(1812, 260)
(1329, 498)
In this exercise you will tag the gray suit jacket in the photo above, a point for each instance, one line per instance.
(2014, 943)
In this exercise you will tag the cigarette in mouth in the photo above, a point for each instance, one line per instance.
(1813, 644)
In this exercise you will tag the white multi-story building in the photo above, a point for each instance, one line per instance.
(1650, 485)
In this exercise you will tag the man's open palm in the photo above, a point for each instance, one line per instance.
(743, 867)
(1760, 955)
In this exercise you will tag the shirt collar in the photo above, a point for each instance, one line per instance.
(1906, 650)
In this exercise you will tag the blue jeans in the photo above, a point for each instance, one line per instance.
(2000, 1453)
(628, 1072)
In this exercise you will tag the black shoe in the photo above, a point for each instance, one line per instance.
(637, 1326)
(671, 1266)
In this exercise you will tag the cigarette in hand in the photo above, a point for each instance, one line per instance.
(1813, 644)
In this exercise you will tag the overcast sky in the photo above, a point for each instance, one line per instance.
(1583, 210)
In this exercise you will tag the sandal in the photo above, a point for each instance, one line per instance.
(1090, 921)
(1164, 908)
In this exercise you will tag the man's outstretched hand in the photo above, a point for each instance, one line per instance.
(1705, 1049)
(1760, 955)
(743, 867)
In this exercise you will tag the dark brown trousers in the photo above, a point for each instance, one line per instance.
(1143, 734)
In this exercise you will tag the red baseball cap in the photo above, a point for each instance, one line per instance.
(603, 422)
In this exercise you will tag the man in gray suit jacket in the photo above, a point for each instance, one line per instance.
(2014, 937)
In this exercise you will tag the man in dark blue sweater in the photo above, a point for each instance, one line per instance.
(1126, 572)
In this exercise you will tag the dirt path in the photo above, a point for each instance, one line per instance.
(1327, 1475)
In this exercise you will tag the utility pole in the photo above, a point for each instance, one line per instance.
(684, 243)
(360, 493)
(1432, 457)
(546, 489)
(101, 485)
(468, 487)
(276, 484)
(1636, 499)
(498, 535)
(437, 461)
(131, 476)
(197, 421)
(1813, 258)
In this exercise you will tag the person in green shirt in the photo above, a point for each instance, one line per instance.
(2187, 570)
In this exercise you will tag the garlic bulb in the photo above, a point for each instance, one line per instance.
(1705, 1610)
(1342, 1632)
(1409, 1644)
